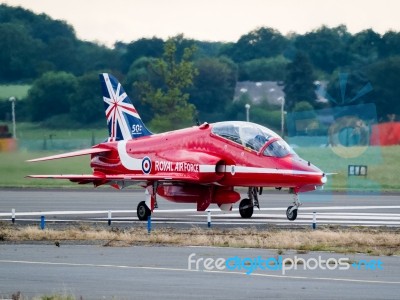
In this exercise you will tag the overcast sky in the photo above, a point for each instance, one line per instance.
(107, 21)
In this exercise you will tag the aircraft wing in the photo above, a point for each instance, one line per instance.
(71, 154)
(101, 178)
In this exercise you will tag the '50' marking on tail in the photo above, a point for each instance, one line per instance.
(136, 129)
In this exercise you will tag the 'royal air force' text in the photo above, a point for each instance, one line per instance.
(169, 166)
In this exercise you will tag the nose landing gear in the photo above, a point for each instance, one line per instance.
(291, 212)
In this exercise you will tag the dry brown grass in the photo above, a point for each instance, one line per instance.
(344, 240)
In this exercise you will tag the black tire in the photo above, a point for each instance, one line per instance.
(293, 215)
(246, 208)
(143, 212)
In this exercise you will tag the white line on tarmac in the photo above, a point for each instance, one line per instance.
(285, 208)
(80, 212)
(353, 214)
(282, 221)
(189, 270)
(308, 217)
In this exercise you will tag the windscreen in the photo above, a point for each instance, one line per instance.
(278, 148)
(252, 136)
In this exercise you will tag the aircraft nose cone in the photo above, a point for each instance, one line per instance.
(324, 179)
(312, 168)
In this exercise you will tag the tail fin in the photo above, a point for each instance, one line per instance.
(123, 120)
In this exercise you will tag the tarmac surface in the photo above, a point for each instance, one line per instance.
(159, 272)
(97, 272)
(93, 205)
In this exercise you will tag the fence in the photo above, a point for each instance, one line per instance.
(50, 144)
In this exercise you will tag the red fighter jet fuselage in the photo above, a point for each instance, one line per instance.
(202, 164)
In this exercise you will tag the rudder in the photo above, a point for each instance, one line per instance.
(123, 120)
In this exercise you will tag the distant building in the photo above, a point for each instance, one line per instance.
(259, 91)
(272, 91)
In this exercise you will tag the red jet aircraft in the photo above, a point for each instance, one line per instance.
(202, 164)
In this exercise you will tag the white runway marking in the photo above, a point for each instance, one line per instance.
(45, 263)
(183, 210)
(339, 215)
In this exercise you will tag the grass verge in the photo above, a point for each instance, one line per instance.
(379, 241)
(14, 168)
(382, 162)
(19, 296)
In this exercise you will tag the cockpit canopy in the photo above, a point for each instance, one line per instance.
(253, 136)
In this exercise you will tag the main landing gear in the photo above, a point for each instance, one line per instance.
(246, 206)
(143, 212)
(145, 208)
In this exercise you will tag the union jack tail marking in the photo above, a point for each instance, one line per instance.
(123, 120)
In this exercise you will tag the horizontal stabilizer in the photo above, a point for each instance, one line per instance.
(71, 154)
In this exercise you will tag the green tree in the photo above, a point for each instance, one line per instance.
(326, 47)
(264, 69)
(299, 82)
(35, 44)
(214, 88)
(384, 77)
(262, 42)
(170, 101)
(364, 46)
(86, 103)
(390, 44)
(141, 71)
(50, 95)
(18, 52)
(93, 57)
(207, 49)
(143, 47)
(62, 53)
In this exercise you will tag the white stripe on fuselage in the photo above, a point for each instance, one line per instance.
(129, 162)
(255, 170)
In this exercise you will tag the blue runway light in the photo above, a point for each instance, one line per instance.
(149, 225)
(42, 222)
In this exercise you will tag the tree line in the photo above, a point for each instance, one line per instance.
(173, 82)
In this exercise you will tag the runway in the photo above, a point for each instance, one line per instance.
(96, 272)
(93, 205)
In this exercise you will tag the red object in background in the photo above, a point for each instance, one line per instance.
(385, 134)
(8, 145)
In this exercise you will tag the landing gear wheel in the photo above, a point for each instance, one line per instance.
(246, 208)
(143, 212)
(291, 215)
